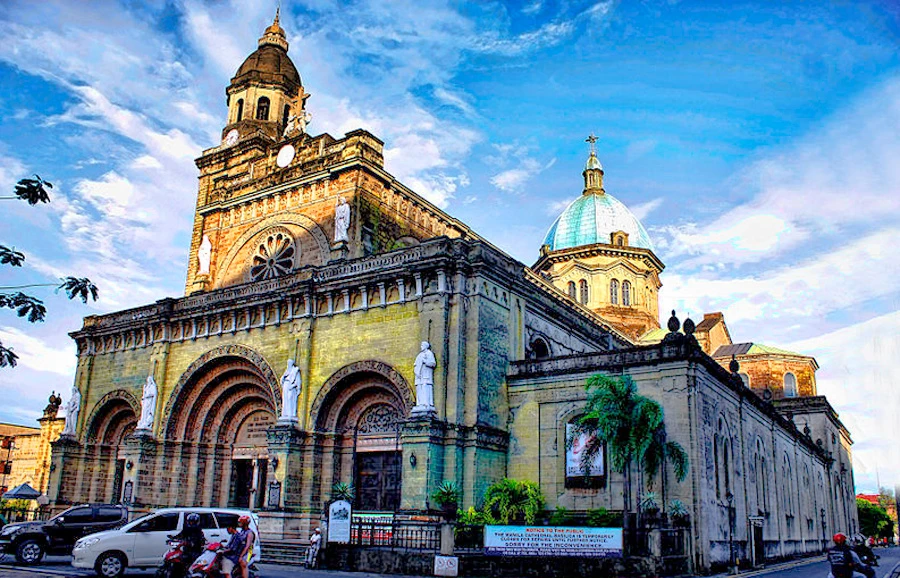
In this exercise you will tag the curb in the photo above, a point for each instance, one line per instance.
(35, 570)
(778, 567)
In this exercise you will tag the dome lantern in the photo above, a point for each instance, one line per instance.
(274, 34)
(593, 170)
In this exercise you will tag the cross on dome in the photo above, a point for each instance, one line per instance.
(592, 139)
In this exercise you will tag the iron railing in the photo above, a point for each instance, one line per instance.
(394, 533)
(24, 516)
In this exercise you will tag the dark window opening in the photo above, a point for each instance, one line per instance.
(286, 115)
(240, 110)
(262, 109)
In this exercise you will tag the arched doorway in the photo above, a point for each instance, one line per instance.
(216, 421)
(359, 415)
(114, 418)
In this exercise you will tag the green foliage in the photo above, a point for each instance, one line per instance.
(9, 256)
(15, 505)
(445, 494)
(677, 509)
(648, 502)
(874, 520)
(560, 517)
(343, 491)
(32, 191)
(79, 287)
(470, 517)
(603, 518)
(25, 305)
(509, 499)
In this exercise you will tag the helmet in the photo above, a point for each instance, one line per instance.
(193, 519)
(244, 521)
(839, 539)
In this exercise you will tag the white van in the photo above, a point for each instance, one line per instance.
(142, 543)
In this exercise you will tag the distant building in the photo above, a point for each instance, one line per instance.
(25, 451)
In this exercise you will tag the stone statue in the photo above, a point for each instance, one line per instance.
(425, 364)
(148, 404)
(290, 392)
(296, 124)
(72, 409)
(341, 220)
(203, 255)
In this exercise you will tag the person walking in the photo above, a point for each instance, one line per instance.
(312, 555)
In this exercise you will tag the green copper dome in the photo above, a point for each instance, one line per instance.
(590, 219)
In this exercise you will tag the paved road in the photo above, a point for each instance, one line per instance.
(57, 566)
(890, 557)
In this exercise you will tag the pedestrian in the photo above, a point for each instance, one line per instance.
(312, 555)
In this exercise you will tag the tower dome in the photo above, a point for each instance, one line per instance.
(593, 218)
(270, 61)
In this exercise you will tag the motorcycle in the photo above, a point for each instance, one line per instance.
(209, 563)
(175, 562)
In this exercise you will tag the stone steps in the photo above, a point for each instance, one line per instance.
(292, 552)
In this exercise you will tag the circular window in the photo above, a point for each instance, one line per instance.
(273, 258)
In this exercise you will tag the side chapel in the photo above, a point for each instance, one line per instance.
(316, 281)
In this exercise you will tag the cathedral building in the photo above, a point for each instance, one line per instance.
(338, 327)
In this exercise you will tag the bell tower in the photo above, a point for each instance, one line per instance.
(266, 91)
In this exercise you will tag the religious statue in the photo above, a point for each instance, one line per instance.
(296, 124)
(290, 392)
(148, 404)
(425, 364)
(72, 409)
(341, 220)
(203, 255)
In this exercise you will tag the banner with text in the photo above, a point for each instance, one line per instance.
(553, 541)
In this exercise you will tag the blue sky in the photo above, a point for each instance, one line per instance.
(758, 143)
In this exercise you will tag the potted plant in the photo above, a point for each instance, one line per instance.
(447, 499)
(343, 491)
(679, 514)
(649, 505)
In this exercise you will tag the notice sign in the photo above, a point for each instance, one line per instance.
(446, 566)
(574, 466)
(339, 522)
(553, 541)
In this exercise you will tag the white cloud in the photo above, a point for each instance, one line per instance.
(861, 378)
(518, 164)
(831, 184)
(641, 211)
(37, 355)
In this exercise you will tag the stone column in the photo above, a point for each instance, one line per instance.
(422, 438)
(66, 454)
(140, 451)
(285, 443)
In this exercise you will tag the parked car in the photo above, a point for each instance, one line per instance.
(142, 543)
(29, 541)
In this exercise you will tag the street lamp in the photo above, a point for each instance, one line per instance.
(824, 535)
(729, 497)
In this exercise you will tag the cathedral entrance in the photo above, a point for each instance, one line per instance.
(361, 414)
(249, 461)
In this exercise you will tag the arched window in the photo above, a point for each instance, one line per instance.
(240, 110)
(790, 385)
(286, 115)
(620, 241)
(759, 464)
(745, 378)
(262, 109)
(788, 487)
(626, 293)
(572, 292)
(721, 449)
(540, 349)
(614, 292)
(583, 288)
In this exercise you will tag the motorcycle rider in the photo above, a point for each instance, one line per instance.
(232, 554)
(844, 561)
(192, 536)
(864, 552)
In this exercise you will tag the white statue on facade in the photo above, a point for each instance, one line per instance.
(290, 392)
(296, 124)
(203, 255)
(341, 220)
(425, 364)
(72, 409)
(148, 404)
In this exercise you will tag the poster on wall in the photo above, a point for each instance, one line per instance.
(339, 515)
(574, 469)
(553, 541)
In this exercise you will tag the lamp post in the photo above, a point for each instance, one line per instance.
(729, 497)
(7, 443)
(824, 535)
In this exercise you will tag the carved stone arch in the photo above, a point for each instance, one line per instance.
(391, 376)
(222, 352)
(100, 413)
(295, 219)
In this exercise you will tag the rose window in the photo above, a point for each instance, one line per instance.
(273, 258)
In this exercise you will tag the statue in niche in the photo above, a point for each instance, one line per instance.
(296, 124)
(72, 409)
(341, 220)
(424, 368)
(203, 256)
(290, 392)
(148, 404)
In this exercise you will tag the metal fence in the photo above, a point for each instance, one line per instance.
(394, 533)
(469, 539)
(24, 516)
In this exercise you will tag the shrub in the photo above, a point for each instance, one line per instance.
(517, 500)
(603, 518)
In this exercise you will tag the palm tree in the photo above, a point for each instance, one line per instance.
(32, 191)
(512, 499)
(631, 426)
(659, 452)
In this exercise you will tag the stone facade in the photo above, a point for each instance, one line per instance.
(30, 452)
